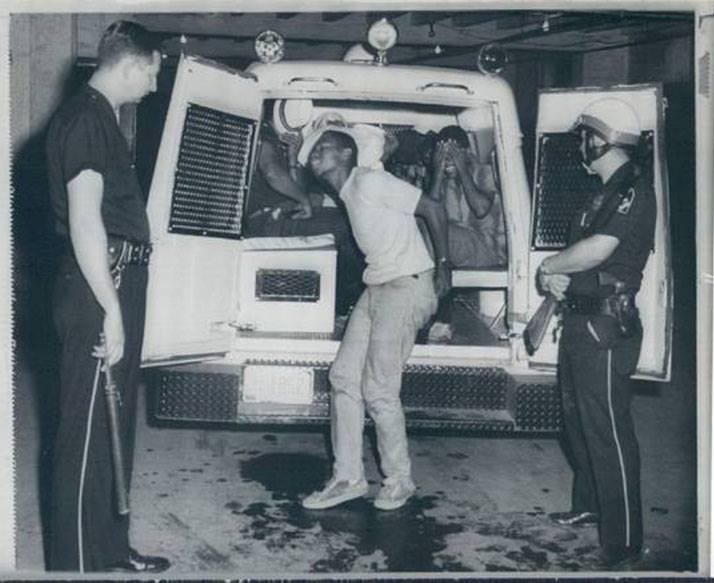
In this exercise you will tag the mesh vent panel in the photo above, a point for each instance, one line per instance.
(287, 285)
(212, 173)
(562, 187)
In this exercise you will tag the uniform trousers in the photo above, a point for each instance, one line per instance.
(87, 533)
(367, 373)
(595, 364)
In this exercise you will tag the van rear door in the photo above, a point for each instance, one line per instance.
(200, 182)
(561, 186)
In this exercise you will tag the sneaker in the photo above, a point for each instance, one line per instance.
(394, 494)
(440, 333)
(335, 492)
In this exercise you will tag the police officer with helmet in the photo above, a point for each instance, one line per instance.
(596, 278)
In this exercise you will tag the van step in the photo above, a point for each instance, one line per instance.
(485, 399)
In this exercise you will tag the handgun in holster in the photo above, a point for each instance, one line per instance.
(622, 306)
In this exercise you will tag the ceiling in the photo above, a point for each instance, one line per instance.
(424, 36)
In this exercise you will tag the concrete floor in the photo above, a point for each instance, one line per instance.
(226, 502)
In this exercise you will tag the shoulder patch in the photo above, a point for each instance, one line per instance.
(626, 201)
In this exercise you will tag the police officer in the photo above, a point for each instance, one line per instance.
(99, 209)
(597, 277)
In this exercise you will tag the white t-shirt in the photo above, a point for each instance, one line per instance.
(381, 210)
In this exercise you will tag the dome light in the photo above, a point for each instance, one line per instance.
(269, 46)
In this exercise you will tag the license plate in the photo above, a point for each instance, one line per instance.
(288, 385)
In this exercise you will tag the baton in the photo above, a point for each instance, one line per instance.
(112, 398)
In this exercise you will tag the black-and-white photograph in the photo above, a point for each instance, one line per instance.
(417, 289)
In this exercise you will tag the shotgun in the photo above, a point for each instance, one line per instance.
(113, 404)
(538, 324)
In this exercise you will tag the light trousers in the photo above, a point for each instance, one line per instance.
(367, 373)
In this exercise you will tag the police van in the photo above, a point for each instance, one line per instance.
(242, 329)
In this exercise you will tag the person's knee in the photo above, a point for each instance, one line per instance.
(342, 381)
(380, 399)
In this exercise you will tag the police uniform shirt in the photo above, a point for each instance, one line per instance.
(624, 208)
(85, 135)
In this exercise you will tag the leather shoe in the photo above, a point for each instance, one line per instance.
(622, 558)
(574, 518)
(137, 563)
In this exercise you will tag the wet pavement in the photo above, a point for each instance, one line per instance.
(227, 502)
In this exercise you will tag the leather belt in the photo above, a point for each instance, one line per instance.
(587, 306)
(127, 252)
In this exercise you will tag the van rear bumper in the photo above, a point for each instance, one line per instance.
(438, 397)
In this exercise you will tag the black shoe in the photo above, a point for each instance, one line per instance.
(622, 558)
(574, 518)
(136, 563)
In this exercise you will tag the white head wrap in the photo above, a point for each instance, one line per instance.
(369, 139)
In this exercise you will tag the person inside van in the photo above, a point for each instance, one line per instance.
(467, 190)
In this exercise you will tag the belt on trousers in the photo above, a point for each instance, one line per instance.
(590, 306)
(126, 252)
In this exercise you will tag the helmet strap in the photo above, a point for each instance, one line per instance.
(593, 152)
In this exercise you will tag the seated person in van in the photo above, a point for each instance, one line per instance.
(279, 206)
(476, 231)
(467, 189)
(409, 156)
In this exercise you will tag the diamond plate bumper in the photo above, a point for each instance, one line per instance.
(434, 397)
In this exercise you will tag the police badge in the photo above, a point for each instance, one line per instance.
(626, 201)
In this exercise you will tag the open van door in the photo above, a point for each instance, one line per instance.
(561, 186)
(195, 209)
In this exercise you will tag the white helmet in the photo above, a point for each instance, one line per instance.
(611, 119)
(290, 115)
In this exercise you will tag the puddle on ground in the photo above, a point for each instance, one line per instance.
(408, 538)
(405, 540)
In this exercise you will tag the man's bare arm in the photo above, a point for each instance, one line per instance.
(433, 213)
(89, 240)
(479, 200)
(279, 178)
(581, 256)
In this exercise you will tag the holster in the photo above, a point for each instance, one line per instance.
(625, 313)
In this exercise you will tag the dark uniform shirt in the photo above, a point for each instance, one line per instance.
(84, 135)
(624, 208)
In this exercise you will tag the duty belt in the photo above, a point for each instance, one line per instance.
(590, 306)
(126, 252)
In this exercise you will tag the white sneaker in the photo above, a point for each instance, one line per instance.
(440, 333)
(335, 492)
(394, 494)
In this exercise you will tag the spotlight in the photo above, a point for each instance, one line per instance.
(492, 58)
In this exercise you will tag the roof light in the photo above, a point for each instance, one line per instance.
(382, 35)
(269, 46)
(492, 58)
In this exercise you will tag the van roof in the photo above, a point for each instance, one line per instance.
(301, 77)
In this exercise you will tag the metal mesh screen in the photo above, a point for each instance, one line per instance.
(192, 396)
(454, 387)
(538, 407)
(212, 173)
(287, 285)
(562, 186)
